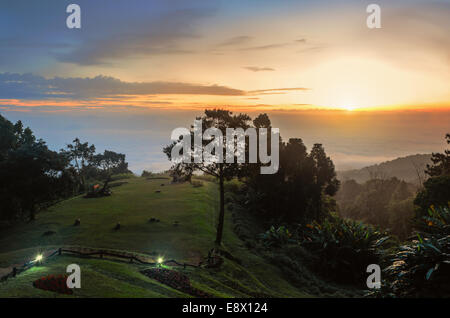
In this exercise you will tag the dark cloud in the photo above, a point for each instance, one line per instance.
(266, 47)
(274, 45)
(29, 86)
(258, 69)
(237, 40)
(159, 35)
(109, 31)
(21, 43)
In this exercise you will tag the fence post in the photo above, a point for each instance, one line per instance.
(14, 273)
(59, 251)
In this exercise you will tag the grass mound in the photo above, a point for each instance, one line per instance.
(132, 205)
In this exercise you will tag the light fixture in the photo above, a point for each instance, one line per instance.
(38, 258)
(160, 260)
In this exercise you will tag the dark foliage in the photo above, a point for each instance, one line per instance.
(436, 190)
(175, 280)
(344, 248)
(146, 174)
(387, 203)
(421, 267)
(296, 193)
(220, 119)
(441, 162)
(32, 177)
(276, 237)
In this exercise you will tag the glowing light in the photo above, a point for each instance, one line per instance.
(347, 105)
(38, 258)
(349, 108)
(160, 260)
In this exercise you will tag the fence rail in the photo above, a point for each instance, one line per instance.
(101, 253)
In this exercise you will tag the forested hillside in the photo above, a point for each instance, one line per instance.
(410, 169)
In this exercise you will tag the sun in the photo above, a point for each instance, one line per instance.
(346, 106)
(349, 108)
(346, 102)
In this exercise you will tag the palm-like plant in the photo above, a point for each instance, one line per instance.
(276, 237)
(421, 268)
(344, 247)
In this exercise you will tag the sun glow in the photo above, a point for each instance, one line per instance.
(347, 107)
(348, 104)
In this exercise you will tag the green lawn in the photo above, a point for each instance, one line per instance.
(132, 205)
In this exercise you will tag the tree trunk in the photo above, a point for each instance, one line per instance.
(105, 184)
(222, 211)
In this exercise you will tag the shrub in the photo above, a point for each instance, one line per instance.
(436, 191)
(197, 184)
(233, 186)
(276, 237)
(344, 248)
(421, 267)
(146, 173)
(175, 280)
(437, 222)
(97, 190)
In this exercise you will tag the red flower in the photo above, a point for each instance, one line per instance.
(53, 283)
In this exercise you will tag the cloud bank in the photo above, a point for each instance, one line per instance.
(30, 86)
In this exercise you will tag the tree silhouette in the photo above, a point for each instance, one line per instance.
(80, 156)
(220, 119)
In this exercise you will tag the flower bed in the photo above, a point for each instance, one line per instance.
(175, 280)
(55, 283)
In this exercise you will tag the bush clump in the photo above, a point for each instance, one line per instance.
(197, 184)
(146, 174)
(421, 267)
(175, 280)
(97, 191)
(276, 237)
(344, 248)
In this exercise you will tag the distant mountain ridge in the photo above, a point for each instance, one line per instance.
(410, 169)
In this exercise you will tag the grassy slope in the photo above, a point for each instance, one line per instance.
(132, 205)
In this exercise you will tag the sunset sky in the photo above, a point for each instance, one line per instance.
(138, 69)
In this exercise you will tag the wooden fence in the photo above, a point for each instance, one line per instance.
(90, 252)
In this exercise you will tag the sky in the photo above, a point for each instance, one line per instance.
(138, 69)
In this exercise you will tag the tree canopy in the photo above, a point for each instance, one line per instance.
(32, 176)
